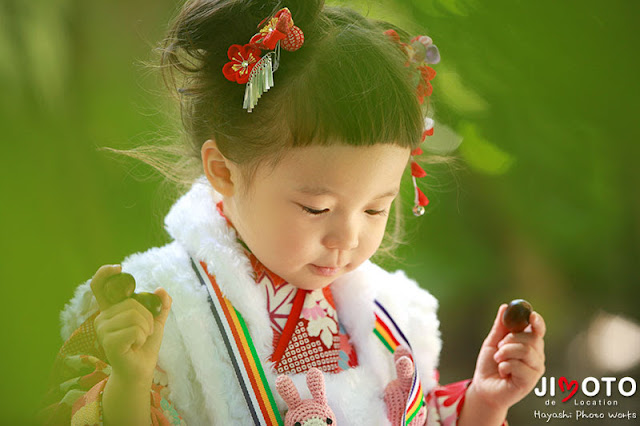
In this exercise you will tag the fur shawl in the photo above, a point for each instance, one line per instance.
(202, 384)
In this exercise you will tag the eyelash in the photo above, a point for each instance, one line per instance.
(314, 212)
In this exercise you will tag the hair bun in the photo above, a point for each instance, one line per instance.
(304, 12)
(205, 29)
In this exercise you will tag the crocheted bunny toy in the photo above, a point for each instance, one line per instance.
(397, 392)
(308, 412)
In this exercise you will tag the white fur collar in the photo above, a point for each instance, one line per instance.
(202, 383)
(195, 224)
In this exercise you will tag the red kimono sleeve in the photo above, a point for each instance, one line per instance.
(444, 403)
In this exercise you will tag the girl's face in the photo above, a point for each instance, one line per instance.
(321, 212)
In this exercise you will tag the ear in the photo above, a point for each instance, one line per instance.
(288, 391)
(217, 168)
(315, 383)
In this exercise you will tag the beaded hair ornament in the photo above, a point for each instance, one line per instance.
(420, 53)
(254, 63)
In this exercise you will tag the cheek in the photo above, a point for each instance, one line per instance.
(291, 234)
(372, 239)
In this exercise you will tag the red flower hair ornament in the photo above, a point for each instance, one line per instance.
(249, 66)
(420, 53)
(243, 59)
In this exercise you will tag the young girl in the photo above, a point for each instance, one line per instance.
(302, 119)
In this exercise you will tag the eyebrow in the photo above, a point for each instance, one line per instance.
(319, 190)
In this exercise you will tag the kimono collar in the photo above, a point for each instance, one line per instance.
(258, 268)
(297, 314)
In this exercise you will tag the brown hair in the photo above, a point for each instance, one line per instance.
(346, 85)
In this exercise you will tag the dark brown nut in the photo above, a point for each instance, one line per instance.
(151, 301)
(118, 287)
(516, 317)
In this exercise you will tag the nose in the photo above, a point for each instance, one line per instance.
(343, 234)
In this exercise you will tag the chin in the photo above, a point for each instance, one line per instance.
(311, 278)
(312, 286)
(312, 283)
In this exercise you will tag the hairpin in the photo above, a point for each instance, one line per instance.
(420, 200)
(420, 52)
(249, 66)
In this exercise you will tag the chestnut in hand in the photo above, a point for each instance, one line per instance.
(123, 285)
(516, 317)
(150, 301)
(118, 287)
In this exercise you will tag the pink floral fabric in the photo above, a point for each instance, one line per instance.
(306, 330)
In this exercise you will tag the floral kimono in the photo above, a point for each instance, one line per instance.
(292, 330)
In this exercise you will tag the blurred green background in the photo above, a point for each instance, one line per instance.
(544, 204)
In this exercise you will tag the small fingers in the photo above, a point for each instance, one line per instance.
(126, 318)
(128, 310)
(121, 341)
(538, 326)
(518, 351)
(522, 375)
(531, 336)
(498, 331)
(98, 282)
(161, 318)
(505, 368)
(166, 304)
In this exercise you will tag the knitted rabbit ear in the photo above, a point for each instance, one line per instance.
(315, 383)
(288, 391)
(404, 366)
(400, 352)
(404, 371)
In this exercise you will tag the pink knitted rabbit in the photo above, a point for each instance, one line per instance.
(308, 412)
(397, 392)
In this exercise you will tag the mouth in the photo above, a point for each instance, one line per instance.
(325, 271)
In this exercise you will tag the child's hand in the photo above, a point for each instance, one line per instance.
(127, 331)
(509, 364)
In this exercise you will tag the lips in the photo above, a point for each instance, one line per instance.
(325, 271)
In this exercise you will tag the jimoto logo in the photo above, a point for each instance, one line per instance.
(590, 387)
(600, 399)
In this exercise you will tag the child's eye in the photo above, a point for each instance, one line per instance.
(311, 211)
(376, 212)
